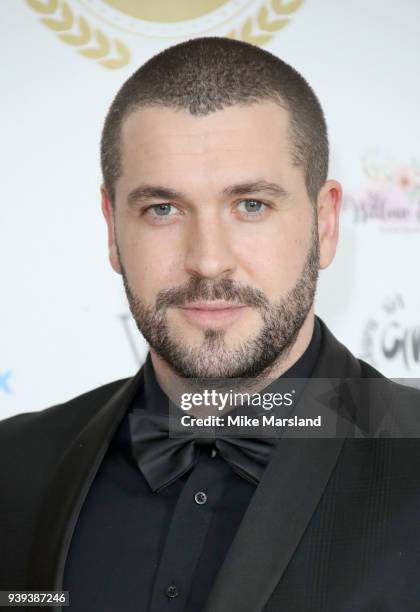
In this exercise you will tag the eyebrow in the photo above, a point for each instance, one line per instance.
(148, 192)
(258, 186)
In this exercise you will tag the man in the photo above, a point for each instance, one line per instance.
(220, 215)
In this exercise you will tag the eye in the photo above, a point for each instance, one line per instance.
(161, 210)
(253, 207)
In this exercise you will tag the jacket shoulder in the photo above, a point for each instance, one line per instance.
(56, 422)
(384, 384)
(31, 448)
(32, 445)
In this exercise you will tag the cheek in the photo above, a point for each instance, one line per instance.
(272, 259)
(151, 264)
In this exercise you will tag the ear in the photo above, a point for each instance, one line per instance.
(328, 207)
(108, 213)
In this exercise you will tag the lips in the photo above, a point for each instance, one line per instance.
(214, 305)
(212, 314)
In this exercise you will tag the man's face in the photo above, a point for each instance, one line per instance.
(215, 237)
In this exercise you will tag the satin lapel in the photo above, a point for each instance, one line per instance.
(70, 486)
(283, 503)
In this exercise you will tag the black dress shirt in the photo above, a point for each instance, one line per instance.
(136, 550)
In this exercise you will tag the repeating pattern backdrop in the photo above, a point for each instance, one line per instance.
(65, 325)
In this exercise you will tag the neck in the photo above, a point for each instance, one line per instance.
(172, 384)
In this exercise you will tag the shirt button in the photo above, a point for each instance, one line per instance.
(200, 498)
(172, 591)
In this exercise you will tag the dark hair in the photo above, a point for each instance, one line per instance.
(204, 75)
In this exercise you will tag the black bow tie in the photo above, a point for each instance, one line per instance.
(163, 459)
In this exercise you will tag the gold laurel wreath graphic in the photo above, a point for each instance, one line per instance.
(77, 32)
(266, 24)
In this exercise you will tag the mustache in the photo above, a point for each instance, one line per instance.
(203, 289)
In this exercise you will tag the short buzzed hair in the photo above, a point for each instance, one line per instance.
(204, 75)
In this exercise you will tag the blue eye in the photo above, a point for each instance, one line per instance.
(252, 206)
(161, 210)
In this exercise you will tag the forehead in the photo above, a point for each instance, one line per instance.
(152, 135)
(202, 155)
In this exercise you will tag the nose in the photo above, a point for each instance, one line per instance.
(209, 251)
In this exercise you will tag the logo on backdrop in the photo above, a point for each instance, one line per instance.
(111, 31)
(393, 337)
(5, 381)
(390, 197)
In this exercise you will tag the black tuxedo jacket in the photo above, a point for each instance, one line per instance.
(333, 526)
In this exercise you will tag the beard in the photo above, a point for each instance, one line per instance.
(253, 358)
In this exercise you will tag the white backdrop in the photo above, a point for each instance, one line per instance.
(64, 319)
